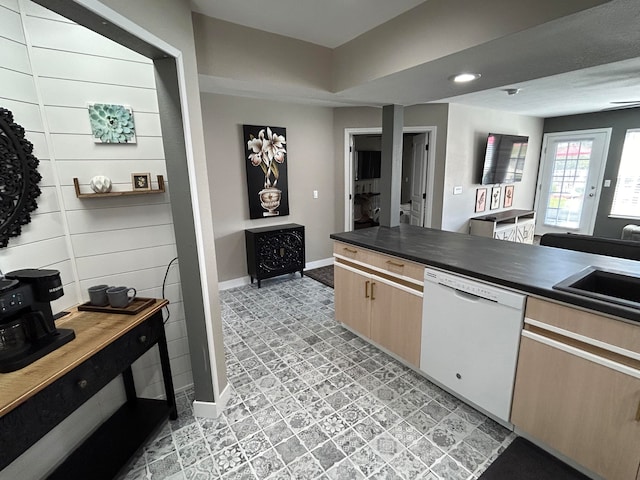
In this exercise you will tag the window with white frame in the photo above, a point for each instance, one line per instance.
(626, 199)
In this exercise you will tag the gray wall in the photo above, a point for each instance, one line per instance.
(619, 121)
(466, 141)
(309, 167)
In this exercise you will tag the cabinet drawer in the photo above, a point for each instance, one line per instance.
(388, 263)
(591, 325)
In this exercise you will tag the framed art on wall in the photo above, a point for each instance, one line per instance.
(508, 196)
(481, 199)
(265, 159)
(141, 181)
(495, 198)
(111, 123)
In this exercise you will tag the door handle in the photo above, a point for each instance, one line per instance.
(373, 284)
(350, 250)
(638, 413)
(366, 289)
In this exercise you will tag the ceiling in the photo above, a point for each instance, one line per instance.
(329, 23)
(576, 64)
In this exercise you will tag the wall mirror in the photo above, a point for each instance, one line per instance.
(19, 178)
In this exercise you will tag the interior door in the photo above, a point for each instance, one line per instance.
(418, 179)
(569, 183)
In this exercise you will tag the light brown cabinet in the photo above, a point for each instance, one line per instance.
(352, 300)
(381, 305)
(578, 387)
(396, 320)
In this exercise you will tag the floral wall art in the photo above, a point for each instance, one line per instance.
(481, 200)
(265, 157)
(495, 198)
(111, 123)
(508, 196)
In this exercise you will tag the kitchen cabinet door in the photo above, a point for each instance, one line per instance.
(396, 320)
(585, 410)
(352, 298)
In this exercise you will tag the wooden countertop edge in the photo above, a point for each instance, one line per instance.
(48, 380)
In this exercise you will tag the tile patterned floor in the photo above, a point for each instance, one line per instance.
(310, 400)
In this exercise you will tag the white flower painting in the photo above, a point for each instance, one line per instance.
(266, 153)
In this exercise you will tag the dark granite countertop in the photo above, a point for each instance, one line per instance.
(532, 269)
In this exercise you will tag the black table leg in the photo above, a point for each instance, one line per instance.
(129, 385)
(166, 375)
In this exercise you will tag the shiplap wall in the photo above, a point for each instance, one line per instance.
(50, 69)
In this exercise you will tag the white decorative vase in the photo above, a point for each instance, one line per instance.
(270, 200)
(100, 184)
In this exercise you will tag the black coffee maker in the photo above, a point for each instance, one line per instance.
(27, 324)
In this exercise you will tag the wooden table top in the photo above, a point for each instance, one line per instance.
(94, 331)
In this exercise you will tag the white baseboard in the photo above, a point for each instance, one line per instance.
(319, 263)
(246, 280)
(236, 282)
(212, 409)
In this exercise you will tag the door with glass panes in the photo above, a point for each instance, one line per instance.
(569, 181)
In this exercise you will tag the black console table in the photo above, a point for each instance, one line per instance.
(273, 251)
(38, 397)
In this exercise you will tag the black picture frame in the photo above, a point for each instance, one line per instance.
(141, 181)
(266, 164)
(495, 198)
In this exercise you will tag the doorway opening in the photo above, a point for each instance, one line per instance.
(363, 170)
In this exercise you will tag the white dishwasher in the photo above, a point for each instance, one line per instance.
(470, 339)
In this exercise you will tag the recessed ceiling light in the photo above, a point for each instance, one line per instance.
(465, 77)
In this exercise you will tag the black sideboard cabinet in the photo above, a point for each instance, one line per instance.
(276, 250)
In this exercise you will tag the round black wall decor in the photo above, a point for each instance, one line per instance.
(19, 178)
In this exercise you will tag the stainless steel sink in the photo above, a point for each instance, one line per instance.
(606, 285)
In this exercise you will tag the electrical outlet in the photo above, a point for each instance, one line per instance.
(607, 183)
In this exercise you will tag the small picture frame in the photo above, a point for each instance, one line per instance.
(141, 181)
(481, 199)
(508, 196)
(495, 198)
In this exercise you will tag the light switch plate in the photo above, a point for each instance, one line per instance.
(457, 190)
(607, 183)
(315, 194)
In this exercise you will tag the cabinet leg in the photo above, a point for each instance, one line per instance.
(258, 283)
(301, 274)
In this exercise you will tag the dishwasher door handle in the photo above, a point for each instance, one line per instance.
(466, 295)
